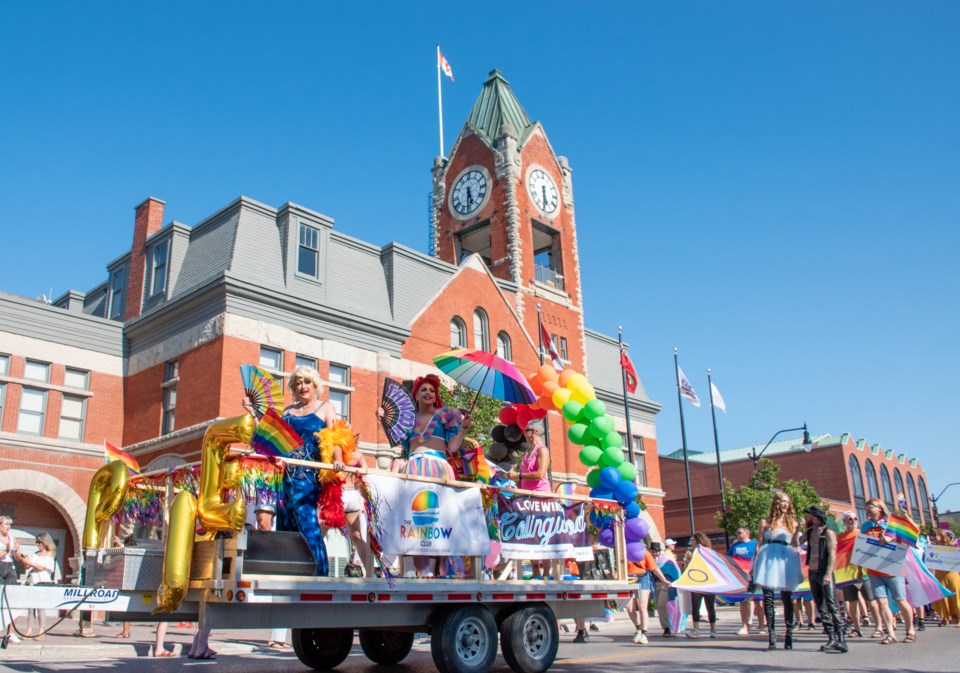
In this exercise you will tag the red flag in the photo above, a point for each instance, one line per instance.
(547, 343)
(629, 370)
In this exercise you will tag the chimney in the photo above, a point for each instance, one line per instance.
(148, 221)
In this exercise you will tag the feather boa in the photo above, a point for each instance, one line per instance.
(331, 482)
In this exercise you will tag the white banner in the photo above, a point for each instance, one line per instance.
(936, 557)
(422, 519)
(873, 553)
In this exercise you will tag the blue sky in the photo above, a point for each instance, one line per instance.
(772, 188)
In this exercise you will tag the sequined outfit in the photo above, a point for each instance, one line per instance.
(301, 490)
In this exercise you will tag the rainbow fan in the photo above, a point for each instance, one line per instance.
(262, 389)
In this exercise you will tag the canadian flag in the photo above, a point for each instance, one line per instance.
(444, 65)
(628, 370)
(547, 345)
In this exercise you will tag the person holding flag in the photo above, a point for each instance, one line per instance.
(887, 586)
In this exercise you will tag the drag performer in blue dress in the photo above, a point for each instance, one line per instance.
(776, 565)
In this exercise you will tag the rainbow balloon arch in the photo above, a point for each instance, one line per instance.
(610, 475)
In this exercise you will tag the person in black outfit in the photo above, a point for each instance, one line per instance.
(821, 558)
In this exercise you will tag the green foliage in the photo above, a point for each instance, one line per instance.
(485, 413)
(746, 506)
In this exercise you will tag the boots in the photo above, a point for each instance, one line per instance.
(770, 613)
(788, 617)
(840, 641)
(831, 639)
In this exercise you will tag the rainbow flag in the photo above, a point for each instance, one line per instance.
(113, 453)
(903, 529)
(273, 437)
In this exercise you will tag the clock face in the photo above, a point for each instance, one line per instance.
(469, 192)
(543, 191)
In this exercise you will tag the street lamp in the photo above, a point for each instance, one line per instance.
(807, 444)
(935, 498)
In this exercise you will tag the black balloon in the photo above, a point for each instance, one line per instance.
(513, 433)
(497, 451)
(497, 434)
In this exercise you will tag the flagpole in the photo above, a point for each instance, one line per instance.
(683, 439)
(440, 100)
(716, 445)
(546, 419)
(626, 403)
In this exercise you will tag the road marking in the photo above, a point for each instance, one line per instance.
(625, 655)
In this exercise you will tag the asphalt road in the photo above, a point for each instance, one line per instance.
(609, 650)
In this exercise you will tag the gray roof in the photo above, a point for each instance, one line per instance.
(746, 452)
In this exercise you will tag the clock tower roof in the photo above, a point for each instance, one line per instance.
(496, 106)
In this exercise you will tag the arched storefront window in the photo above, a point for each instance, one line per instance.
(887, 490)
(856, 481)
(912, 499)
(873, 490)
(925, 499)
(899, 491)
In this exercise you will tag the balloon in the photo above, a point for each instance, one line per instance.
(601, 493)
(178, 552)
(612, 457)
(601, 427)
(609, 478)
(217, 474)
(550, 387)
(536, 383)
(535, 404)
(546, 402)
(612, 439)
(564, 377)
(631, 511)
(496, 433)
(548, 374)
(636, 551)
(626, 491)
(538, 413)
(512, 433)
(593, 478)
(628, 471)
(571, 411)
(523, 417)
(561, 397)
(605, 537)
(576, 433)
(493, 558)
(105, 497)
(594, 409)
(637, 528)
(497, 450)
(507, 415)
(590, 455)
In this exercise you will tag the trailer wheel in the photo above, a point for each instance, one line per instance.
(322, 649)
(529, 639)
(464, 640)
(386, 647)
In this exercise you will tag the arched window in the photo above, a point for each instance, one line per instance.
(912, 499)
(481, 330)
(925, 499)
(898, 485)
(458, 333)
(856, 480)
(887, 490)
(872, 488)
(504, 349)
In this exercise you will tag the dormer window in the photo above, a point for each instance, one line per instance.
(308, 251)
(159, 259)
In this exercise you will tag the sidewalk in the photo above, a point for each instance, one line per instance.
(61, 643)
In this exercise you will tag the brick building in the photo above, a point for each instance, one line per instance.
(150, 357)
(845, 472)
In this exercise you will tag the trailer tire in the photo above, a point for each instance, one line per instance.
(464, 640)
(322, 649)
(386, 647)
(529, 639)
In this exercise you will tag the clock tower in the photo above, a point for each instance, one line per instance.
(505, 195)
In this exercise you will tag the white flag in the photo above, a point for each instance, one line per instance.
(717, 398)
(687, 391)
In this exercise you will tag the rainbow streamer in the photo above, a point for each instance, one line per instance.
(903, 529)
(273, 437)
(113, 453)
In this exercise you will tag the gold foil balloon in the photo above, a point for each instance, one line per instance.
(107, 492)
(217, 474)
(178, 553)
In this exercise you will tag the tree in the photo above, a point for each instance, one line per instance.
(747, 505)
(485, 413)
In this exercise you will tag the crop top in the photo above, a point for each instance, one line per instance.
(444, 424)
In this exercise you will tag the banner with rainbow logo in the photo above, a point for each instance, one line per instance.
(423, 519)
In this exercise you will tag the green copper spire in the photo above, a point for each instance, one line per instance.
(497, 106)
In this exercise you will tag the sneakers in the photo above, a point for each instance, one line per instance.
(693, 633)
(582, 636)
(713, 632)
(640, 638)
(744, 631)
(594, 627)
(13, 638)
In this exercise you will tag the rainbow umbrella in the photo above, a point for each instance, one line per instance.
(486, 373)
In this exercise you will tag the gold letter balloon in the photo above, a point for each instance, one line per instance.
(107, 491)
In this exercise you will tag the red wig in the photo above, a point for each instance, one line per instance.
(434, 381)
